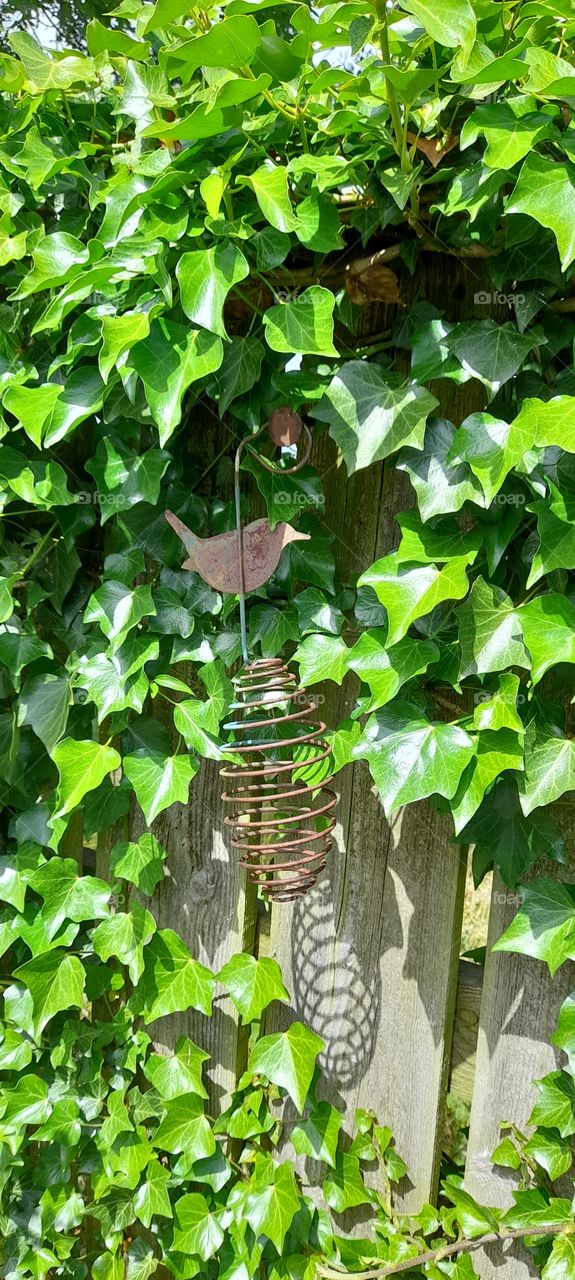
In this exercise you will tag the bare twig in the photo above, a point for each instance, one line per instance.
(445, 1251)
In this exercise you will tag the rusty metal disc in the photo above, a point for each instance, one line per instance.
(284, 427)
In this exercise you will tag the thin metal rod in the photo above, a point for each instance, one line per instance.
(242, 593)
(269, 466)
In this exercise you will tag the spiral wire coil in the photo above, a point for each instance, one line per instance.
(284, 826)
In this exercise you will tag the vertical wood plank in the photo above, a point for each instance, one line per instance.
(371, 955)
(519, 1011)
(360, 953)
(205, 900)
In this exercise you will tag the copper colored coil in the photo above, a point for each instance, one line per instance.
(282, 825)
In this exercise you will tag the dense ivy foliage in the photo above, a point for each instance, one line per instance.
(175, 206)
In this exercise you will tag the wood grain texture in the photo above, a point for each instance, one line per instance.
(519, 1011)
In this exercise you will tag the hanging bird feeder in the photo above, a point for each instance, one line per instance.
(280, 814)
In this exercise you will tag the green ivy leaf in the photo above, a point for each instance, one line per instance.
(497, 751)
(545, 191)
(549, 771)
(344, 1188)
(369, 419)
(141, 862)
(561, 1263)
(491, 448)
(125, 935)
(189, 718)
(43, 704)
(490, 631)
(453, 25)
(304, 326)
(440, 484)
(152, 1198)
(322, 657)
(118, 609)
(564, 1034)
(510, 135)
(505, 838)
(197, 1231)
(55, 981)
(159, 780)
(269, 184)
(119, 334)
(232, 43)
(318, 1135)
(239, 370)
(68, 895)
(82, 767)
(556, 531)
(288, 1060)
(548, 625)
(205, 278)
(491, 352)
(411, 758)
(473, 1219)
(179, 1072)
(386, 670)
(172, 980)
(273, 1203)
(408, 593)
(185, 1128)
(168, 361)
(555, 1107)
(550, 1151)
(252, 984)
(544, 927)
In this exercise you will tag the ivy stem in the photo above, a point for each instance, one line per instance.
(37, 551)
(289, 113)
(392, 100)
(445, 1251)
(302, 129)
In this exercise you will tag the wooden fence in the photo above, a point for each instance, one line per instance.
(371, 955)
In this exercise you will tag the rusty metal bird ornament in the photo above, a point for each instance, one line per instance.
(217, 559)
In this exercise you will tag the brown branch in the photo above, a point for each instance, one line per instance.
(445, 1251)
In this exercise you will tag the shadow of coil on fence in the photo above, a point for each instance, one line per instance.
(282, 824)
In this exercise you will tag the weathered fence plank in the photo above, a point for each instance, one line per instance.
(371, 955)
(204, 899)
(360, 954)
(519, 1010)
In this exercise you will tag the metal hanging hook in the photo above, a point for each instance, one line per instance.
(285, 428)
